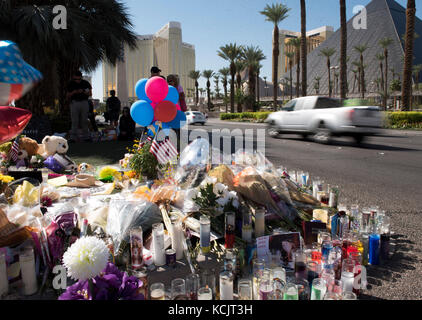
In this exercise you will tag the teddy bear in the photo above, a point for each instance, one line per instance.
(53, 145)
(27, 149)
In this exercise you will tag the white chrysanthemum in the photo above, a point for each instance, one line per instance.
(219, 188)
(86, 258)
(191, 193)
(233, 195)
(208, 180)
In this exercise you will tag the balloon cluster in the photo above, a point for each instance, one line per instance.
(158, 102)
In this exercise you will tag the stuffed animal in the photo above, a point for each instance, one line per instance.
(53, 145)
(27, 148)
(86, 168)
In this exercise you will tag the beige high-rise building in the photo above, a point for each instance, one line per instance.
(314, 39)
(165, 49)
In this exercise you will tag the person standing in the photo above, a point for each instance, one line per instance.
(173, 80)
(78, 92)
(91, 116)
(126, 126)
(156, 72)
(113, 108)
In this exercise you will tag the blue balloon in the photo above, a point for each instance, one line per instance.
(142, 113)
(140, 90)
(176, 123)
(173, 95)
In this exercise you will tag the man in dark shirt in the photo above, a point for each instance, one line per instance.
(113, 108)
(78, 92)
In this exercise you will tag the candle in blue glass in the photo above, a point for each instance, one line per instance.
(374, 249)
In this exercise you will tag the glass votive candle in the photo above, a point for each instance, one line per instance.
(332, 296)
(226, 285)
(4, 282)
(349, 296)
(178, 289)
(323, 236)
(266, 286)
(319, 288)
(314, 270)
(207, 279)
(291, 292)
(205, 293)
(335, 286)
(136, 248)
(29, 277)
(299, 257)
(244, 289)
(157, 291)
(303, 288)
(192, 286)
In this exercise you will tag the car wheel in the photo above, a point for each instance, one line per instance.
(322, 134)
(273, 131)
(359, 138)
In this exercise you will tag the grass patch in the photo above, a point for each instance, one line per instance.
(245, 116)
(404, 120)
(99, 153)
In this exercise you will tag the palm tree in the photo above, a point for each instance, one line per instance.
(195, 75)
(316, 86)
(275, 13)
(361, 49)
(408, 54)
(385, 43)
(224, 73)
(343, 50)
(303, 48)
(355, 77)
(380, 57)
(328, 53)
(217, 82)
(416, 70)
(290, 56)
(58, 53)
(358, 65)
(296, 43)
(240, 66)
(258, 71)
(208, 74)
(231, 52)
(252, 55)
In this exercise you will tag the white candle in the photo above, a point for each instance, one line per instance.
(247, 233)
(205, 294)
(176, 239)
(205, 230)
(259, 223)
(29, 277)
(226, 285)
(4, 282)
(158, 294)
(159, 253)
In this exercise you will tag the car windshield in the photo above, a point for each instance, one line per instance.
(289, 105)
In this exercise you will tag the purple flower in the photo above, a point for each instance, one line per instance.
(66, 222)
(128, 289)
(77, 291)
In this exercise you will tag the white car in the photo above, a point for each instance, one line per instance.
(323, 118)
(194, 117)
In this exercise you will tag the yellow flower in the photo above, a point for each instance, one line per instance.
(6, 179)
(107, 172)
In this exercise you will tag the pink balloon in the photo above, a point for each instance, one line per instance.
(178, 107)
(153, 105)
(156, 89)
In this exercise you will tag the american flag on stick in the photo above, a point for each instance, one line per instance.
(14, 150)
(141, 144)
(164, 151)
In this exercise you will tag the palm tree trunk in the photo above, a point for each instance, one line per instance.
(297, 73)
(386, 79)
(291, 80)
(343, 50)
(382, 75)
(276, 53)
(257, 86)
(329, 77)
(232, 73)
(408, 57)
(354, 83)
(304, 49)
(239, 90)
(225, 95)
(362, 79)
(252, 96)
(209, 95)
(197, 93)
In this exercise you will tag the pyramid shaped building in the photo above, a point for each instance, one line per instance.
(385, 19)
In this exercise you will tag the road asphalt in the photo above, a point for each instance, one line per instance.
(384, 171)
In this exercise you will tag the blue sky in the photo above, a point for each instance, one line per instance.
(211, 24)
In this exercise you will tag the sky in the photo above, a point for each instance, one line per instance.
(210, 24)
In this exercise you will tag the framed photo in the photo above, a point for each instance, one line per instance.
(285, 243)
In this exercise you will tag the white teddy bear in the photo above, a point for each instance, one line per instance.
(53, 145)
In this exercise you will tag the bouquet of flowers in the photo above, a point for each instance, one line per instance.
(97, 279)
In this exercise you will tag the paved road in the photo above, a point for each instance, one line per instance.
(385, 171)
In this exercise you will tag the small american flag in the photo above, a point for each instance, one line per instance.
(141, 144)
(15, 150)
(164, 151)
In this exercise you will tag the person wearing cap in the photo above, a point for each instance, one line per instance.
(113, 108)
(78, 92)
(156, 72)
